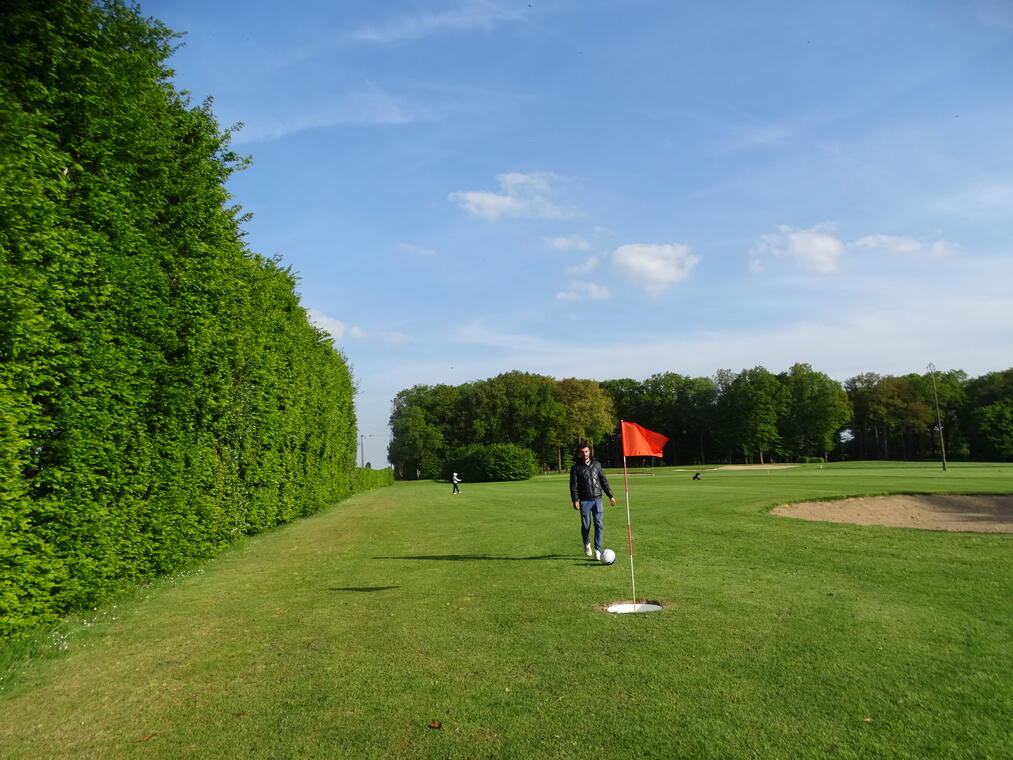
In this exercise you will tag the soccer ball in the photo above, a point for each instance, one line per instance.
(608, 557)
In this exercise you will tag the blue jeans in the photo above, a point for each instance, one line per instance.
(589, 509)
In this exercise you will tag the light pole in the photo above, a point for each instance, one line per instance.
(362, 447)
(939, 419)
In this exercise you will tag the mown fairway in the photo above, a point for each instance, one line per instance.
(344, 635)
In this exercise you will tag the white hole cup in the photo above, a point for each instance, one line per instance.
(622, 609)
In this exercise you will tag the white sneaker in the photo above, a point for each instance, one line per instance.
(597, 555)
(587, 550)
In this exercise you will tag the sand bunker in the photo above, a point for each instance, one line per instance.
(978, 513)
(756, 467)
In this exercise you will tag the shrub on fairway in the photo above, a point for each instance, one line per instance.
(494, 461)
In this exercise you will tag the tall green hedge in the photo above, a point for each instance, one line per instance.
(161, 390)
(366, 479)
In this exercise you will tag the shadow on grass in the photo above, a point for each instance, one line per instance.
(362, 588)
(995, 509)
(477, 557)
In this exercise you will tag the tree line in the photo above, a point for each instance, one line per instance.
(161, 389)
(750, 416)
(532, 411)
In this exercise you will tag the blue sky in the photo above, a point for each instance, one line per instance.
(596, 189)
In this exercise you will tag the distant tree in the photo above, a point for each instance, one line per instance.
(900, 408)
(813, 410)
(448, 407)
(682, 408)
(744, 416)
(589, 414)
(519, 408)
(864, 432)
(627, 397)
(723, 427)
(417, 444)
(952, 390)
(699, 402)
(749, 408)
(658, 399)
(989, 413)
(993, 427)
(690, 418)
(946, 389)
(896, 416)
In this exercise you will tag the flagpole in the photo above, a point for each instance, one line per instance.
(629, 523)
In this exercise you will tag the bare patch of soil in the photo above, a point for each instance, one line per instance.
(977, 513)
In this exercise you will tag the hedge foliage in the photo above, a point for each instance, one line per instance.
(161, 390)
(366, 479)
(495, 461)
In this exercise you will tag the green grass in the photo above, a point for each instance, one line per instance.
(345, 634)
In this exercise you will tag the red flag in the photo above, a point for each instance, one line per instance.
(640, 442)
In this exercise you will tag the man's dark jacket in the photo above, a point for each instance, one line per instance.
(587, 481)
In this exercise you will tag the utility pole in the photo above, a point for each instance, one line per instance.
(362, 448)
(939, 419)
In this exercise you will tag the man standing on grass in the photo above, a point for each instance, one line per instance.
(587, 480)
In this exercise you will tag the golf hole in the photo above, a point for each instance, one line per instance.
(625, 607)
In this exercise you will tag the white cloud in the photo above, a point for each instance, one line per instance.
(523, 195)
(655, 267)
(531, 185)
(487, 205)
(335, 327)
(584, 291)
(748, 133)
(416, 250)
(889, 326)
(339, 330)
(943, 248)
(366, 105)
(478, 333)
(568, 243)
(899, 334)
(984, 200)
(585, 268)
(903, 245)
(395, 338)
(815, 249)
(889, 243)
(473, 15)
(819, 250)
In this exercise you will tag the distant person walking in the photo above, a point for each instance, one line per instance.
(587, 480)
(455, 480)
